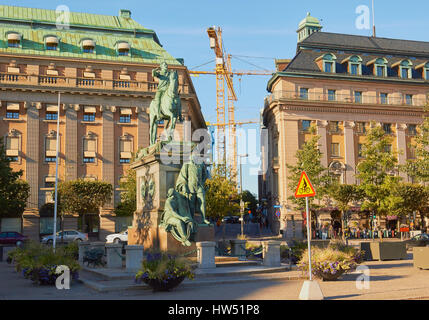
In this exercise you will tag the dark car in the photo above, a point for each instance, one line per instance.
(231, 219)
(15, 238)
(420, 240)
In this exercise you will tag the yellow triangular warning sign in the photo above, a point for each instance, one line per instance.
(305, 188)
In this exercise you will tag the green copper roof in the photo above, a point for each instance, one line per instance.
(35, 24)
(309, 21)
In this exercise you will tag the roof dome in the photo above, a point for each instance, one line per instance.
(309, 21)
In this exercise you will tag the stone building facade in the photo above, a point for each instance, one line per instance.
(102, 65)
(340, 84)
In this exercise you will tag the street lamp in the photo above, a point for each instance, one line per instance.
(241, 192)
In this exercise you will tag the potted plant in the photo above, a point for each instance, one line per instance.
(332, 262)
(163, 271)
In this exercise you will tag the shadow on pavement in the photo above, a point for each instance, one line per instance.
(342, 297)
(353, 277)
(387, 266)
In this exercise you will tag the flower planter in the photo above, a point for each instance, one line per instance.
(331, 276)
(45, 276)
(392, 250)
(163, 285)
(421, 257)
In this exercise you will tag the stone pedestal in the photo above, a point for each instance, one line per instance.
(156, 172)
(206, 254)
(98, 245)
(114, 255)
(238, 249)
(134, 257)
(107, 223)
(31, 224)
(83, 248)
(271, 253)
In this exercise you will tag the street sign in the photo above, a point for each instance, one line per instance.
(404, 229)
(304, 189)
(278, 213)
(277, 206)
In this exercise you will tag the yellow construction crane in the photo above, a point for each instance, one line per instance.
(224, 74)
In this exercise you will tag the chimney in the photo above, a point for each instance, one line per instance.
(124, 13)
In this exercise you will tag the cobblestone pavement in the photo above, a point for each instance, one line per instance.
(388, 280)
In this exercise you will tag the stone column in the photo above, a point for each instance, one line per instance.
(134, 257)
(350, 153)
(206, 254)
(33, 153)
(142, 126)
(71, 148)
(108, 148)
(402, 146)
(322, 132)
(271, 253)
(83, 248)
(31, 224)
(238, 248)
(114, 255)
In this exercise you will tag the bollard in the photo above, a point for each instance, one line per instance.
(271, 253)
(238, 248)
(83, 248)
(134, 257)
(206, 254)
(114, 257)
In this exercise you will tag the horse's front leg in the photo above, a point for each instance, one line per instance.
(153, 128)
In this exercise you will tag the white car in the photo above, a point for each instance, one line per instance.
(117, 237)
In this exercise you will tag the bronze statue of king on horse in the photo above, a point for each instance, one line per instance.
(166, 105)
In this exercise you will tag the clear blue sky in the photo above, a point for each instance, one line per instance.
(264, 29)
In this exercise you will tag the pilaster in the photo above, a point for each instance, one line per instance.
(402, 146)
(108, 148)
(323, 142)
(350, 151)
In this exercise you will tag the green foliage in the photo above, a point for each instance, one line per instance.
(163, 266)
(308, 160)
(128, 204)
(249, 200)
(221, 196)
(419, 168)
(377, 171)
(14, 192)
(406, 198)
(81, 196)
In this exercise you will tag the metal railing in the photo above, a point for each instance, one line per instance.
(345, 98)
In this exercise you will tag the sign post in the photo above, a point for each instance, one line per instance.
(310, 289)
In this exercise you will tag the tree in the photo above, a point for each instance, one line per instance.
(377, 172)
(418, 168)
(128, 204)
(82, 197)
(249, 200)
(14, 192)
(407, 198)
(222, 196)
(309, 160)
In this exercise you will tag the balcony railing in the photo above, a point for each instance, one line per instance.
(364, 99)
(95, 83)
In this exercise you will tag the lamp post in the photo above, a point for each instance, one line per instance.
(241, 192)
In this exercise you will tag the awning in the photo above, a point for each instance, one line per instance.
(124, 46)
(52, 108)
(51, 153)
(125, 155)
(126, 111)
(12, 106)
(88, 43)
(50, 179)
(51, 40)
(89, 154)
(89, 110)
(12, 153)
(14, 36)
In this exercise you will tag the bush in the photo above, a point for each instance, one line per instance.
(297, 248)
(163, 271)
(330, 263)
(38, 262)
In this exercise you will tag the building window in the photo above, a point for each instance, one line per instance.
(332, 95)
(12, 114)
(381, 71)
(334, 126)
(384, 98)
(387, 127)
(51, 43)
(51, 115)
(412, 129)
(13, 40)
(426, 72)
(89, 117)
(358, 96)
(360, 150)
(51, 147)
(388, 148)
(380, 67)
(360, 127)
(13, 43)
(303, 93)
(125, 149)
(89, 150)
(88, 46)
(335, 149)
(329, 67)
(123, 48)
(12, 148)
(409, 99)
(125, 118)
(329, 63)
(306, 125)
(412, 152)
(405, 70)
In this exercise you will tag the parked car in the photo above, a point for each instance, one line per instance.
(68, 236)
(420, 240)
(15, 238)
(117, 237)
(231, 219)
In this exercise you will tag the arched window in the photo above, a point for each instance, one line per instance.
(424, 67)
(329, 63)
(380, 67)
(405, 68)
(355, 65)
(123, 48)
(13, 40)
